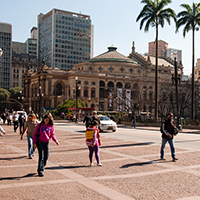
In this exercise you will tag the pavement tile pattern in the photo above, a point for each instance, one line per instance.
(130, 170)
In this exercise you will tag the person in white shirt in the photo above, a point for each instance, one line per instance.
(15, 121)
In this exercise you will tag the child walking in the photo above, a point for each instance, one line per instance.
(45, 131)
(93, 142)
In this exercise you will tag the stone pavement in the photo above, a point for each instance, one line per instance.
(130, 171)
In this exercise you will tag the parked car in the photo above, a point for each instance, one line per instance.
(107, 124)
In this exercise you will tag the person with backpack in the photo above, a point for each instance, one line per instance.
(87, 120)
(93, 142)
(167, 130)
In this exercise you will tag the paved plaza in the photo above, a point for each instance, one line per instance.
(131, 170)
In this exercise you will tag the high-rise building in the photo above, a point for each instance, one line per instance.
(163, 50)
(6, 58)
(64, 38)
(161, 45)
(31, 46)
(34, 33)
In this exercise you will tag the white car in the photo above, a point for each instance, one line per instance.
(107, 124)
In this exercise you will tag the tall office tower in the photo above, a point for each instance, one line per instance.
(161, 46)
(64, 38)
(170, 53)
(31, 47)
(6, 58)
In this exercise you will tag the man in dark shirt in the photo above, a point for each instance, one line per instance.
(167, 130)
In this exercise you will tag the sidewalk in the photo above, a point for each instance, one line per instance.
(130, 170)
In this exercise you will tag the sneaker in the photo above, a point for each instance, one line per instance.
(162, 159)
(91, 164)
(41, 174)
(30, 157)
(174, 159)
(99, 164)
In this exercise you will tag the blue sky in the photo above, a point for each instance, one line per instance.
(114, 24)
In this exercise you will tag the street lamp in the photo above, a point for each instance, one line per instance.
(21, 99)
(176, 75)
(76, 79)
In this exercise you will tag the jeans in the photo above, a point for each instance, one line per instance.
(21, 127)
(43, 150)
(15, 125)
(171, 143)
(30, 145)
(134, 124)
(96, 150)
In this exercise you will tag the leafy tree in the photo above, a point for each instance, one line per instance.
(68, 104)
(4, 94)
(154, 14)
(15, 92)
(190, 19)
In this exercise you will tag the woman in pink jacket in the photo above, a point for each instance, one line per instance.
(45, 131)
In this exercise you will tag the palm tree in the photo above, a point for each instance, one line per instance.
(154, 14)
(190, 17)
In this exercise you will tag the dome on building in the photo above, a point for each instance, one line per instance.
(111, 55)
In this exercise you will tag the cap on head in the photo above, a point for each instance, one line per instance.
(95, 112)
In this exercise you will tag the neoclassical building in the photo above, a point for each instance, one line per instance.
(108, 82)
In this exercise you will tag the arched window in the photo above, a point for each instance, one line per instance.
(119, 85)
(110, 84)
(102, 84)
(58, 90)
(127, 85)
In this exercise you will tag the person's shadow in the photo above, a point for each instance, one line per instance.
(19, 177)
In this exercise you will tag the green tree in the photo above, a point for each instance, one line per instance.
(4, 95)
(68, 104)
(190, 19)
(15, 92)
(155, 14)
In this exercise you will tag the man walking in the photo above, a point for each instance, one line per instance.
(167, 130)
(30, 127)
(15, 121)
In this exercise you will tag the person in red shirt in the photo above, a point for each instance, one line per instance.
(93, 142)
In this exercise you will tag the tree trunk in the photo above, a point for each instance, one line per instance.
(193, 93)
(156, 76)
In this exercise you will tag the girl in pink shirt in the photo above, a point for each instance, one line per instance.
(46, 132)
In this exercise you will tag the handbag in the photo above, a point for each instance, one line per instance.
(38, 133)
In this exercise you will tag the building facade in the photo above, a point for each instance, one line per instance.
(18, 47)
(108, 82)
(5, 59)
(64, 38)
(20, 64)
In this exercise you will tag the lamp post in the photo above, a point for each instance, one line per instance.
(176, 75)
(76, 80)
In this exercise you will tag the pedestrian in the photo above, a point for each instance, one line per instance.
(133, 121)
(22, 120)
(87, 120)
(15, 121)
(9, 119)
(2, 131)
(29, 128)
(167, 130)
(45, 131)
(95, 117)
(93, 142)
(3, 117)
